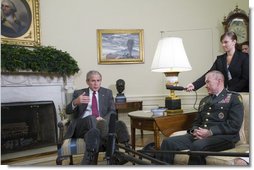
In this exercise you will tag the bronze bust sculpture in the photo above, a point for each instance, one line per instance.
(120, 86)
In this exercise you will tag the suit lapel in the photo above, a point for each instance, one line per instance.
(224, 65)
(101, 100)
(235, 60)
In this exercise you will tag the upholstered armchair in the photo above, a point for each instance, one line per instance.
(68, 147)
(242, 146)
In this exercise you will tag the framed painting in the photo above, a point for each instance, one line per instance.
(20, 22)
(120, 46)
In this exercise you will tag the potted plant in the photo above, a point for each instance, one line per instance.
(41, 59)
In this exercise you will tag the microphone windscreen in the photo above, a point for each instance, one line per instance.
(122, 132)
(112, 123)
(102, 125)
(92, 139)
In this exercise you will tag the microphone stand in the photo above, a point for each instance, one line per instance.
(207, 153)
(111, 139)
(111, 148)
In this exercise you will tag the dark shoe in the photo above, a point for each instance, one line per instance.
(151, 147)
(118, 159)
(90, 158)
(92, 139)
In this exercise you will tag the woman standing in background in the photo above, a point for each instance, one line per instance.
(233, 64)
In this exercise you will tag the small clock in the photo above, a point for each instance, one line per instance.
(238, 22)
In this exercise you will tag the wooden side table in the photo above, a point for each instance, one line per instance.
(128, 105)
(144, 120)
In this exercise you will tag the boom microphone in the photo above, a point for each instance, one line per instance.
(111, 138)
(180, 88)
(122, 132)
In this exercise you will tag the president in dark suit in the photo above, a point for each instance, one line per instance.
(216, 126)
(233, 64)
(90, 110)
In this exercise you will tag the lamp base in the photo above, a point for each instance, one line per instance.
(173, 105)
(173, 112)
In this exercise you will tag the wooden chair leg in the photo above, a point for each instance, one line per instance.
(71, 160)
(59, 160)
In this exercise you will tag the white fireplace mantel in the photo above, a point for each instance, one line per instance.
(35, 87)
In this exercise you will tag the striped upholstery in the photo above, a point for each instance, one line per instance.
(73, 146)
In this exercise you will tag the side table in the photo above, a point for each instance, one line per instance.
(145, 120)
(128, 105)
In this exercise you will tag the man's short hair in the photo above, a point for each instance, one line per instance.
(92, 72)
(216, 74)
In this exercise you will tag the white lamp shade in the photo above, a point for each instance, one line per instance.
(170, 56)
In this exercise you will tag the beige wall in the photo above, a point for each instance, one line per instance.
(71, 26)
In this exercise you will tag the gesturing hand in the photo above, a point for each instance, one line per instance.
(81, 99)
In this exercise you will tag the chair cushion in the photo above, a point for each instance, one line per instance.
(226, 160)
(181, 159)
(72, 146)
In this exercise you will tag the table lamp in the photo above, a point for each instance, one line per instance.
(170, 58)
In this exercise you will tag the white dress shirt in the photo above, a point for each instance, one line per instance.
(88, 110)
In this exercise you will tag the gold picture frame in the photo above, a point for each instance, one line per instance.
(24, 29)
(120, 46)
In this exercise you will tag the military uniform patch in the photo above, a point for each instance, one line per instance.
(221, 115)
(227, 99)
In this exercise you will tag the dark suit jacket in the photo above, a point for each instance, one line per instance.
(239, 69)
(106, 107)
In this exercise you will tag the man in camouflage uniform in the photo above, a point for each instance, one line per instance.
(216, 127)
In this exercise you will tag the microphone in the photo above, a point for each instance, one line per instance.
(92, 139)
(122, 133)
(102, 125)
(111, 138)
(171, 87)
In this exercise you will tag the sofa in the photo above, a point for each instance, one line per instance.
(242, 146)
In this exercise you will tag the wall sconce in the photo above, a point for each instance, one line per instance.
(170, 58)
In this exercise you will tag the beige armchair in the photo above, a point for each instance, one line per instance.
(242, 146)
(68, 147)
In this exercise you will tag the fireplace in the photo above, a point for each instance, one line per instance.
(27, 125)
(34, 92)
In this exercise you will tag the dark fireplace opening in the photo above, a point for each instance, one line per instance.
(27, 125)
